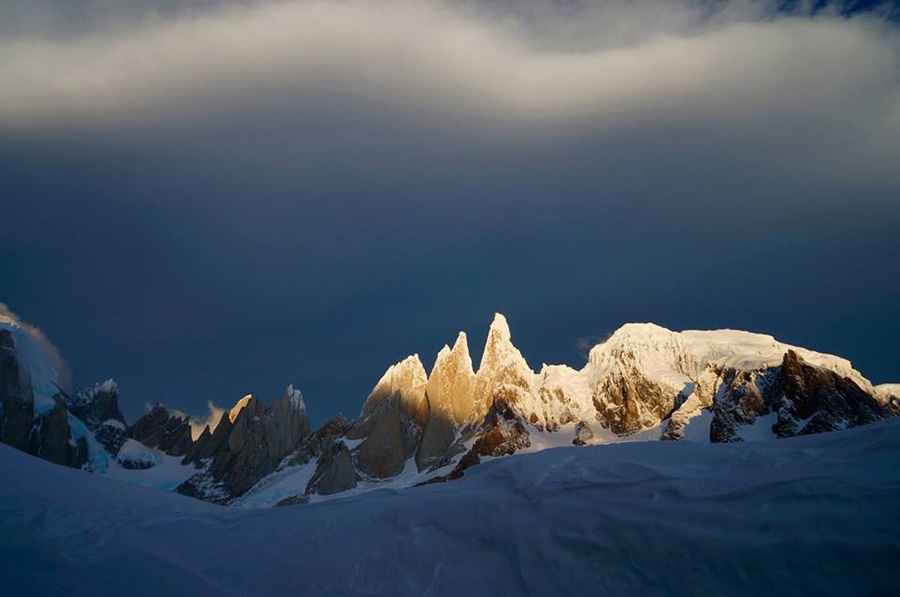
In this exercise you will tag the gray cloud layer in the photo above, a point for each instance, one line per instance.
(731, 68)
(417, 51)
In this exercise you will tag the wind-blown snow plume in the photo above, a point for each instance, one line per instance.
(212, 418)
(48, 350)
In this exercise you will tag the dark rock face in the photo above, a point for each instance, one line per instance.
(50, 438)
(583, 434)
(334, 472)
(893, 406)
(393, 420)
(314, 445)
(97, 404)
(98, 408)
(249, 443)
(742, 397)
(815, 400)
(294, 500)
(209, 444)
(46, 436)
(164, 431)
(805, 398)
(436, 443)
(138, 464)
(16, 397)
(387, 435)
(503, 434)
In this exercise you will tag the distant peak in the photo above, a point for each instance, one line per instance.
(109, 385)
(499, 350)
(295, 397)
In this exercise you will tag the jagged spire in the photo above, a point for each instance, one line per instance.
(238, 407)
(500, 326)
(499, 349)
(295, 397)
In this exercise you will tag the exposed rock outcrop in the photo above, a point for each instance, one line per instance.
(39, 428)
(584, 435)
(51, 438)
(334, 472)
(815, 400)
(98, 407)
(248, 444)
(628, 401)
(450, 392)
(504, 433)
(16, 395)
(165, 431)
(720, 386)
(392, 420)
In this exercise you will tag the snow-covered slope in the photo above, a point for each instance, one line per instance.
(810, 515)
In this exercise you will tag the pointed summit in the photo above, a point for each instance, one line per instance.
(451, 382)
(500, 325)
(461, 344)
(450, 393)
(238, 407)
(295, 398)
(406, 378)
(499, 351)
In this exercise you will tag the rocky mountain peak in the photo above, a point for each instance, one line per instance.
(166, 431)
(406, 379)
(239, 406)
(499, 351)
(98, 403)
(294, 398)
(503, 372)
(451, 383)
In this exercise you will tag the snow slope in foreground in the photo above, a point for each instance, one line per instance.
(797, 516)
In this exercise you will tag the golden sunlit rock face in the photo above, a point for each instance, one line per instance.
(238, 407)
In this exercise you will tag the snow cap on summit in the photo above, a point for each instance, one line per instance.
(500, 326)
(296, 398)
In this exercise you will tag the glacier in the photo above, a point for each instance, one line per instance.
(802, 515)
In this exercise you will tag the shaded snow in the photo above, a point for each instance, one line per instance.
(166, 474)
(697, 429)
(816, 514)
(887, 390)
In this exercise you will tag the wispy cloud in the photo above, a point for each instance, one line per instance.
(48, 350)
(212, 418)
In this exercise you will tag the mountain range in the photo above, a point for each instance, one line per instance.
(643, 383)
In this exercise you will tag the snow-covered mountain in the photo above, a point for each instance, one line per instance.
(645, 382)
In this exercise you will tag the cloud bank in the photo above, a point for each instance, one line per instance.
(733, 64)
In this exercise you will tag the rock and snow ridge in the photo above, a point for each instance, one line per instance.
(644, 382)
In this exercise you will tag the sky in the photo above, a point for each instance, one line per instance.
(206, 199)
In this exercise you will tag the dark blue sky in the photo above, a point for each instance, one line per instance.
(256, 229)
